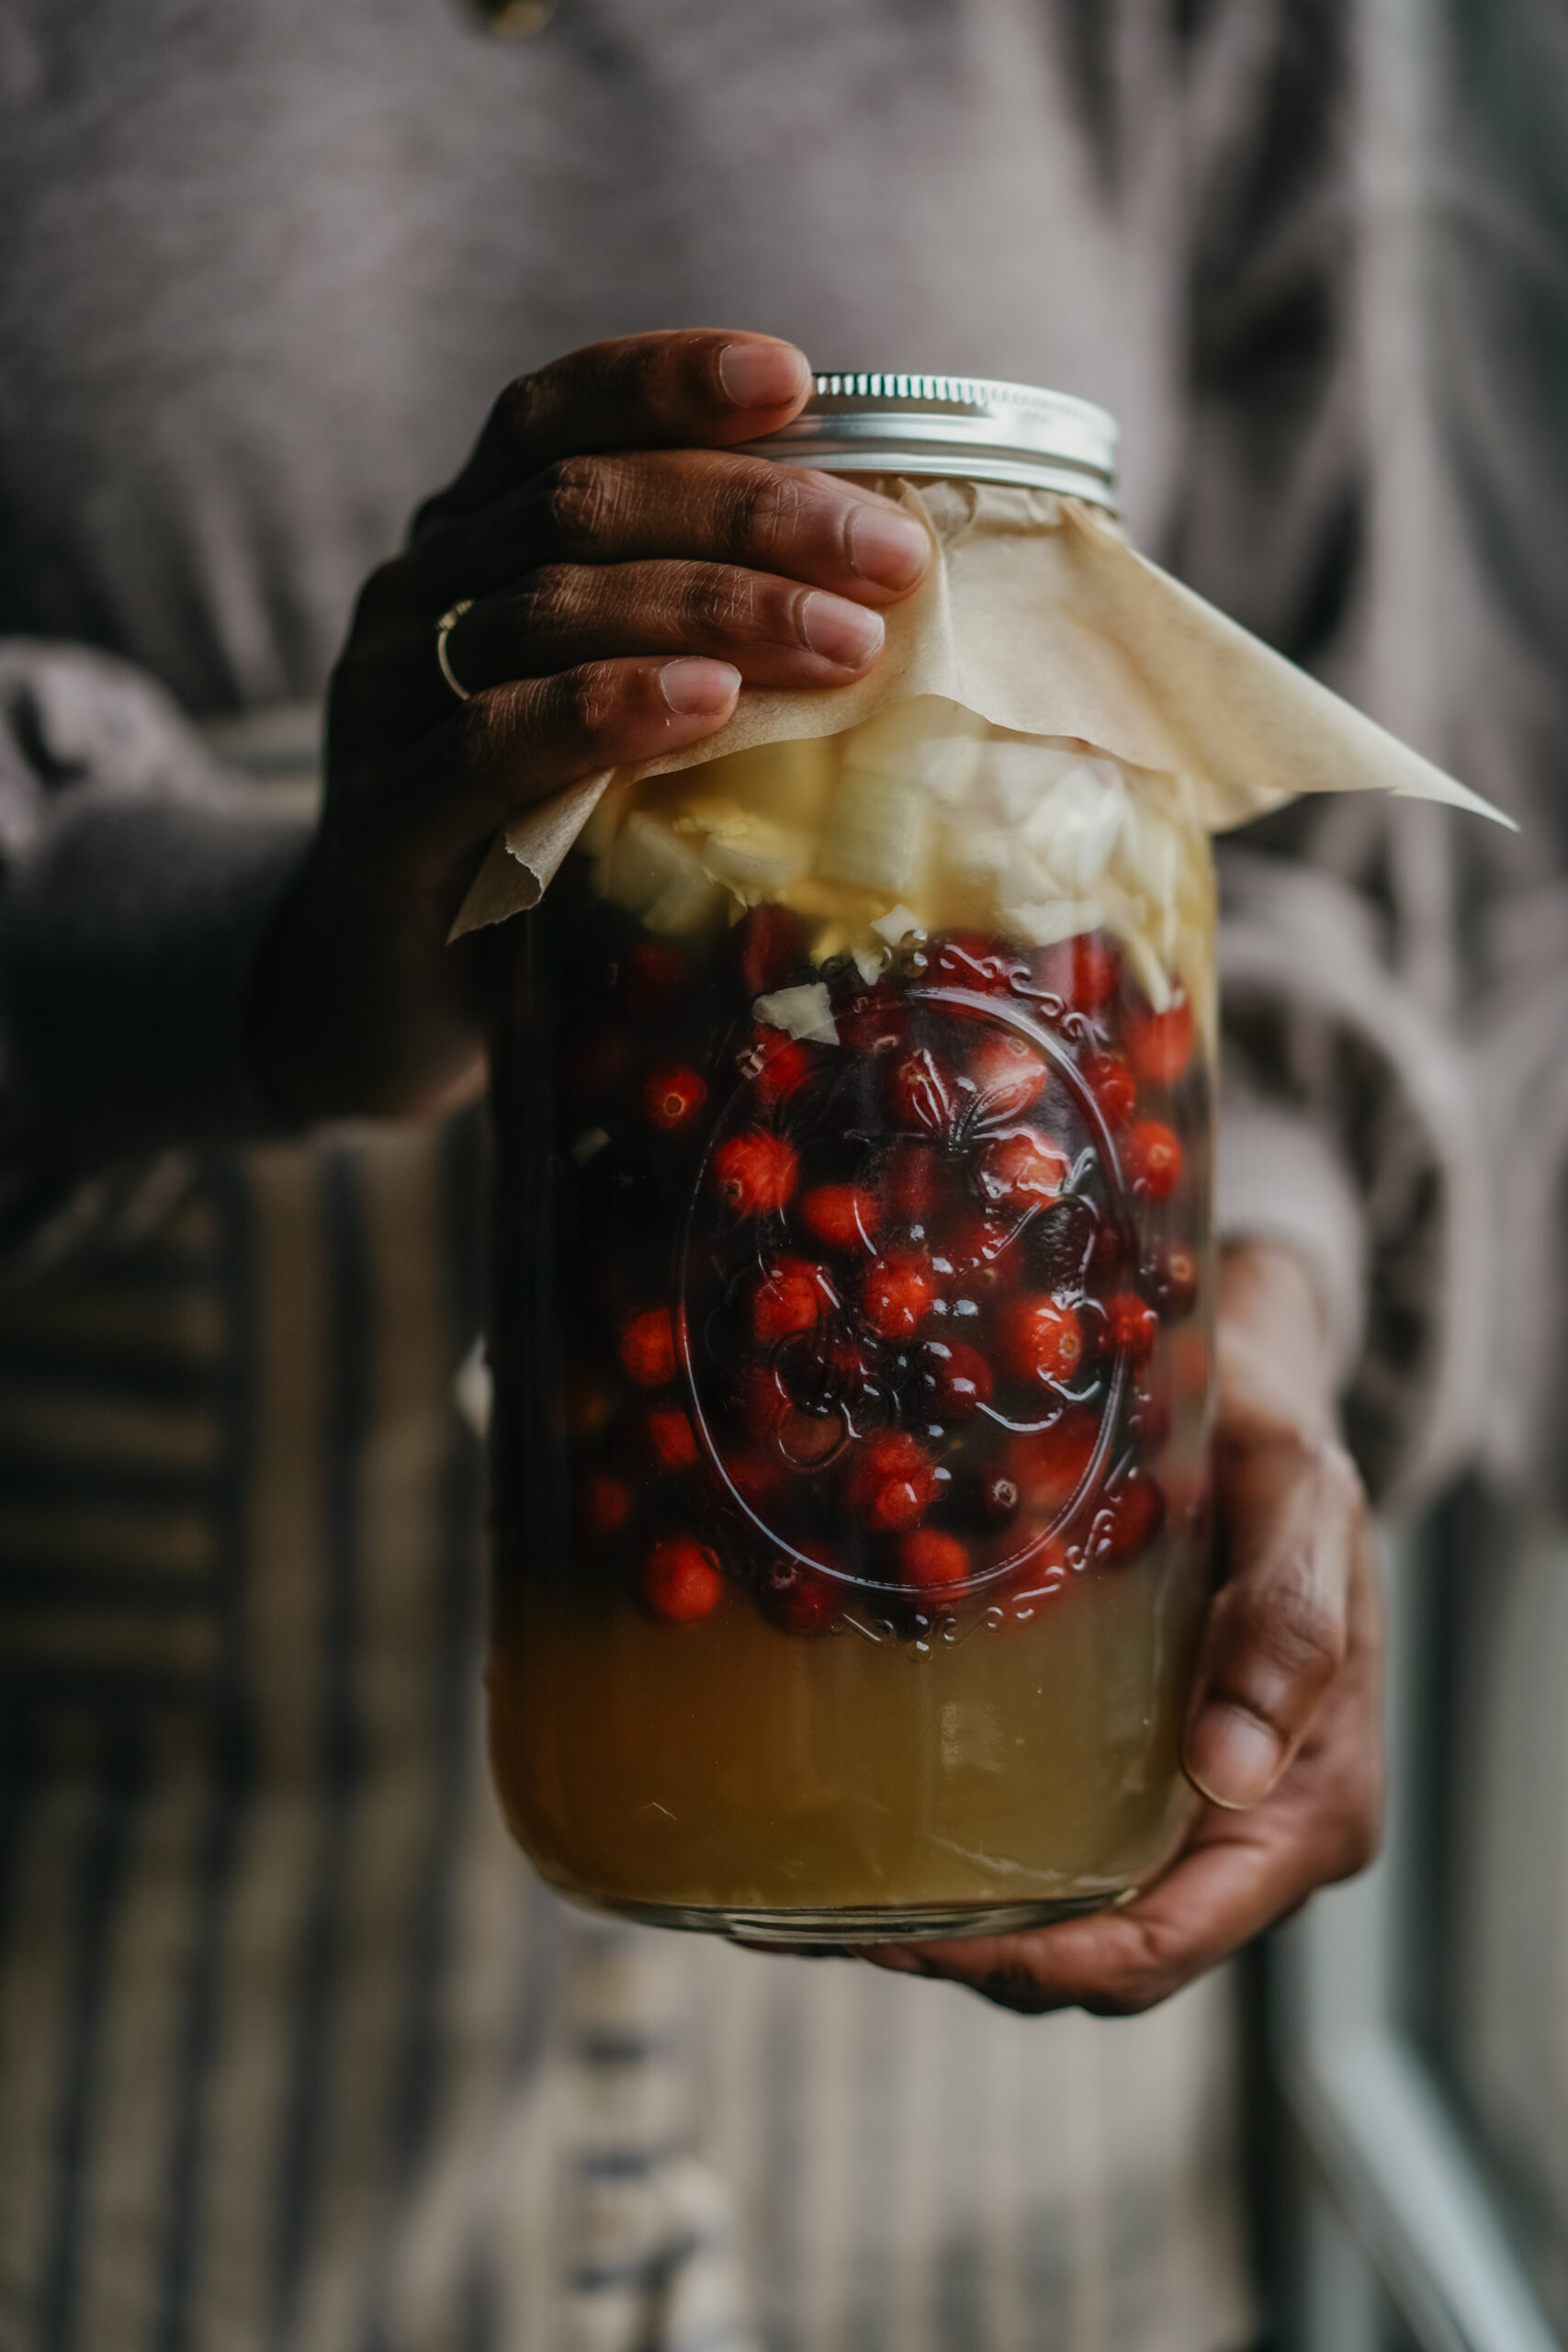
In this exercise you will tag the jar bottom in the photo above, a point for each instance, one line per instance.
(870, 1924)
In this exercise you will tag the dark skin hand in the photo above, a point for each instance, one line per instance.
(628, 574)
(1283, 1734)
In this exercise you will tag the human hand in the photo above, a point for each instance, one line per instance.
(1283, 1730)
(628, 573)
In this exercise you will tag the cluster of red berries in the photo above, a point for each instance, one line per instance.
(902, 1284)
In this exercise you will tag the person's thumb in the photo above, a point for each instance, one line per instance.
(1292, 1512)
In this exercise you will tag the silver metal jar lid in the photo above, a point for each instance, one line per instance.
(951, 424)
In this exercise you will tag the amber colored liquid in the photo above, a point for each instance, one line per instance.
(728, 1766)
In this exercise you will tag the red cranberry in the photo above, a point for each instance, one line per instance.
(755, 1174)
(1082, 973)
(1159, 1044)
(682, 1580)
(790, 1296)
(892, 1482)
(1131, 1327)
(957, 1379)
(1172, 1277)
(648, 1347)
(668, 1439)
(918, 1091)
(1111, 1083)
(1021, 1169)
(929, 1559)
(897, 1293)
(1008, 1073)
(1152, 1156)
(1131, 1517)
(972, 1241)
(841, 1217)
(777, 1064)
(1049, 1465)
(672, 1095)
(1043, 1340)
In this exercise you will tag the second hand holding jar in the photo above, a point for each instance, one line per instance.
(853, 1357)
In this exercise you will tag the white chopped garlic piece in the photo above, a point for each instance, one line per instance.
(896, 924)
(1051, 919)
(716, 814)
(752, 854)
(981, 858)
(801, 1013)
(788, 783)
(1015, 774)
(1077, 826)
(589, 1145)
(656, 877)
(876, 831)
(928, 742)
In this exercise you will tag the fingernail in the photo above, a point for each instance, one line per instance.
(1233, 1759)
(697, 687)
(762, 375)
(839, 630)
(890, 548)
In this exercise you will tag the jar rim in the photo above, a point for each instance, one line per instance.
(976, 427)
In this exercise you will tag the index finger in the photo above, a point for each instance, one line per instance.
(699, 387)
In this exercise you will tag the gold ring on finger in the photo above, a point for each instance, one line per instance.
(443, 629)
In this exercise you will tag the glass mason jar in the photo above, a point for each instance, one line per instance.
(851, 1336)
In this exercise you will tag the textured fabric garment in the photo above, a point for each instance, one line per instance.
(295, 2053)
(140, 876)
